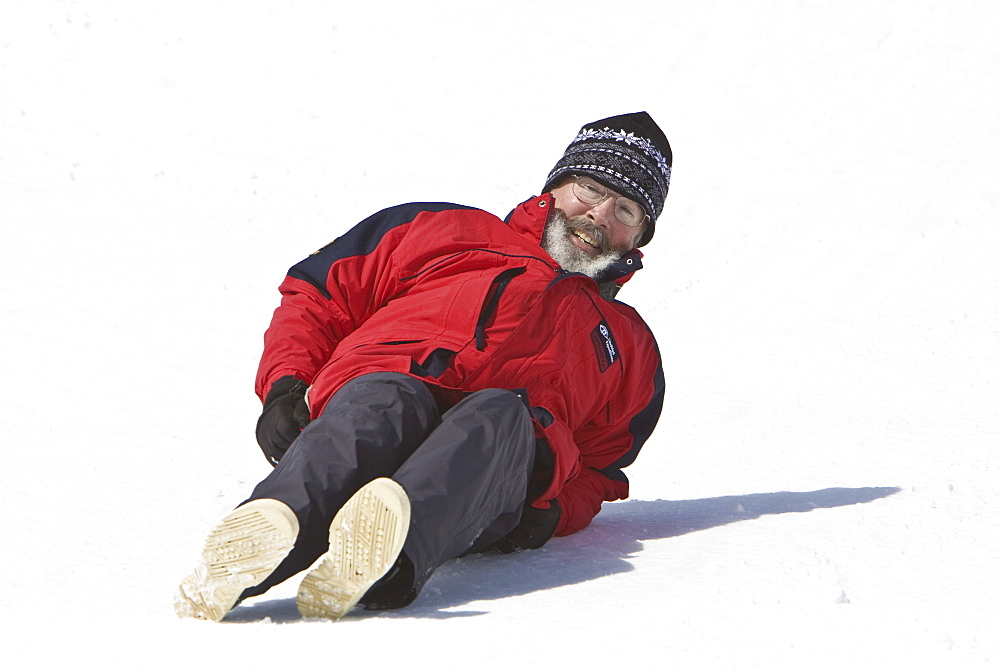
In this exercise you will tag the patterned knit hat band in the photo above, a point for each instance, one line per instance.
(616, 170)
(629, 154)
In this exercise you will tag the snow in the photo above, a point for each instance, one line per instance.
(822, 486)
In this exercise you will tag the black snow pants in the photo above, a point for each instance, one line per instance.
(465, 470)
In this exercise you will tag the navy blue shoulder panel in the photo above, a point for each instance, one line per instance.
(642, 424)
(361, 239)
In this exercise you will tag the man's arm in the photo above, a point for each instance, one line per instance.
(579, 499)
(606, 451)
(304, 331)
(332, 292)
(324, 298)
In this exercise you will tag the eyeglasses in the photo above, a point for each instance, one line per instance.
(628, 212)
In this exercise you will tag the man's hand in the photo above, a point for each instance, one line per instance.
(535, 528)
(285, 416)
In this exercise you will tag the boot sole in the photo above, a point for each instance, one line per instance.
(240, 552)
(366, 537)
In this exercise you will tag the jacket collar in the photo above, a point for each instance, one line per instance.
(622, 270)
(530, 217)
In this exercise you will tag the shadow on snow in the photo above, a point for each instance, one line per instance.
(603, 549)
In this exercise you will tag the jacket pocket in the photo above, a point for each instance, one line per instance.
(489, 307)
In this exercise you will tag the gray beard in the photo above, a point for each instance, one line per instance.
(557, 244)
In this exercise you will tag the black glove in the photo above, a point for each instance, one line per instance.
(534, 530)
(285, 416)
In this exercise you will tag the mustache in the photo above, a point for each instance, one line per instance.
(583, 224)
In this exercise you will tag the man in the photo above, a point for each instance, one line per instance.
(439, 381)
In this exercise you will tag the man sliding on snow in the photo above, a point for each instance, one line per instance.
(438, 382)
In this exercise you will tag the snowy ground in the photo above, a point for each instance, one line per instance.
(822, 487)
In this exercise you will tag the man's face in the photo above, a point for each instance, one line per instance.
(586, 238)
(561, 239)
(597, 230)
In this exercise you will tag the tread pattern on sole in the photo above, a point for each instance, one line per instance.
(240, 552)
(366, 537)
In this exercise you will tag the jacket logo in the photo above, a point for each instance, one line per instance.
(604, 346)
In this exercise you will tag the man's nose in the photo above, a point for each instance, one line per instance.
(602, 212)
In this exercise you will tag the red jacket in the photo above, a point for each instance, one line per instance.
(466, 301)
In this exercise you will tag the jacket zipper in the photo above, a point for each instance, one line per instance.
(496, 290)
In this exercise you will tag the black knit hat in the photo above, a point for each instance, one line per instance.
(627, 153)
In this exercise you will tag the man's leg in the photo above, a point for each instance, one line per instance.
(470, 475)
(367, 431)
(468, 478)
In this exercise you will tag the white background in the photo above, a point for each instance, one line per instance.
(823, 285)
